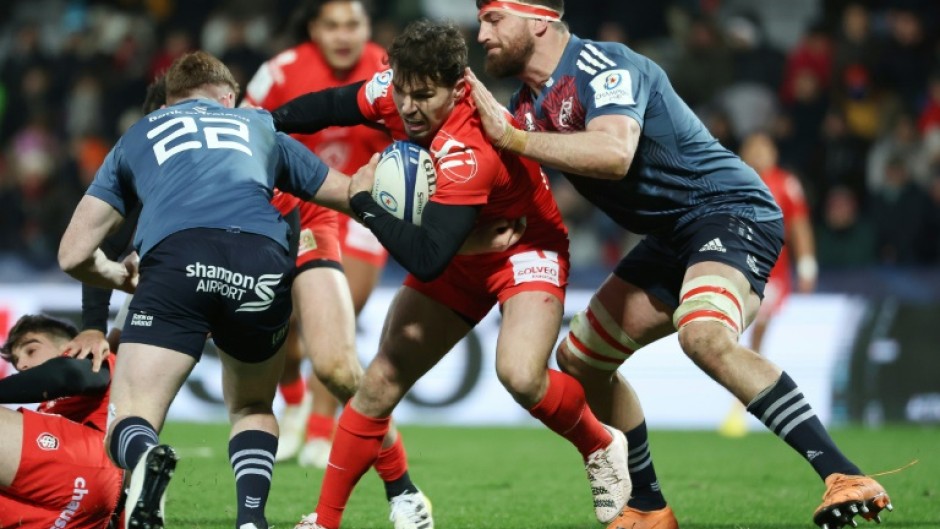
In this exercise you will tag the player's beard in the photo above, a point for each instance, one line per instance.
(512, 57)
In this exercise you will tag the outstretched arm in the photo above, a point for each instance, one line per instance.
(605, 149)
(59, 377)
(315, 111)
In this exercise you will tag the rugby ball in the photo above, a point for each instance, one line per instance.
(404, 180)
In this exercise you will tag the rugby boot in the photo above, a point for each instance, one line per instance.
(631, 518)
(609, 477)
(847, 496)
(146, 495)
(411, 510)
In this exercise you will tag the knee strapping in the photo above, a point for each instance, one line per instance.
(597, 340)
(710, 298)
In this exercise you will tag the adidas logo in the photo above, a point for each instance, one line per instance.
(713, 245)
(813, 454)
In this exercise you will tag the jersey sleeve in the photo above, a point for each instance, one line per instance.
(465, 174)
(112, 183)
(264, 89)
(302, 172)
(375, 96)
(611, 84)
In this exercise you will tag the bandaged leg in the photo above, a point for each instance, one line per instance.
(710, 298)
(597, 340)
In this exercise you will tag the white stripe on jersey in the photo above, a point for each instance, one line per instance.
(586, 68)
(594, 62)
(600, 54)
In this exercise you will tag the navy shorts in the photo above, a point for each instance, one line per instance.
(658, 264)
(234, 285)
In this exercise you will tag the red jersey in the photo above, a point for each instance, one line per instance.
(302, 69)
(83, 409)
(788, 192)
(470, 170)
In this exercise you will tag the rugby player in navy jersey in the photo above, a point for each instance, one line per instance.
(214, 257)
(609, 120)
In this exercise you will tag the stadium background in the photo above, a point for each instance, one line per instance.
(849, 90)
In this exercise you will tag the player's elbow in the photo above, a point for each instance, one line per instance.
(70, 260)
(615, 165)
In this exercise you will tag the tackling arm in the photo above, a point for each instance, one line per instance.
(80, 254)
(315, 111)
(58, 377)
(604, 150)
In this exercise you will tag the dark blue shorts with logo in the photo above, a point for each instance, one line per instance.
(658, 263)
(233, 285)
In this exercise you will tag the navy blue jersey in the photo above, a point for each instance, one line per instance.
(198, 164)
(679, 173)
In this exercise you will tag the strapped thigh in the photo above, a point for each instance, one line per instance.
(710, 298)
(597, 340)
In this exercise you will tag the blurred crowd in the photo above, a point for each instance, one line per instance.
(849, 92)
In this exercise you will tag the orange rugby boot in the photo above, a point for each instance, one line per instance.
(847, 496)
(631, 518)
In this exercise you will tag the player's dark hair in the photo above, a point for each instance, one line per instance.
(156, 95)
(195, 70)
(432, 51)
(557, 5)
(36, 323)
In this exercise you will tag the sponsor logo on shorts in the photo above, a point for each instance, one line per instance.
(141, 320)
(528, 267)
(308, 241)
(713, 245)
(280, 334)
(48, 442)
(752, 264)
(265, 294)
(74, 506)
(220, 280)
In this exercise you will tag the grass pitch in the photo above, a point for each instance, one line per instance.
(528, 478)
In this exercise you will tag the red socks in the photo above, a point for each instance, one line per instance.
(293, 393)
(356, 446)
(392, 462)
(320, 426)
(565, 411)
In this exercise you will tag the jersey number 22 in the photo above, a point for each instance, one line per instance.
(213, 134)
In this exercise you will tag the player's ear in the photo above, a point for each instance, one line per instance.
(460, 89)
(538, 27)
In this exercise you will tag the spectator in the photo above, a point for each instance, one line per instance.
(813, 57)
(753, 59)
(930, 116)
(856, 44)
(901, 211)
(705, 68)
(907, 53)
(839, 158)
(902, 142)
(844, 239)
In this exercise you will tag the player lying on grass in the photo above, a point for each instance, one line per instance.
(53, 472)
(425, 98)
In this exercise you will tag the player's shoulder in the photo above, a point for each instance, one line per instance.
(592, 57)
(374, 56)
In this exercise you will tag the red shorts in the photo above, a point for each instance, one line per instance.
(63, 474)
(319, 232)
(472, 284)
(359, 242)
(775, 295)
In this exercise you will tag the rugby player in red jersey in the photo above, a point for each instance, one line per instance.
(53, 472)
(337, 256)
(759, 152)
(425, 98)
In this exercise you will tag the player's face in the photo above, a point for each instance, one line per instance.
(509, 44)
(341, 32)
(34, 349)
(424, 106)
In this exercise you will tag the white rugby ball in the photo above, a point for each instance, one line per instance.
(404, 180)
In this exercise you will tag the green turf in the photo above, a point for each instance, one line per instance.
(480, 478)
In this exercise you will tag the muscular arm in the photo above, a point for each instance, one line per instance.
(315, 111)
(426, 250)
(96, 300)
(604, 150)
(79, 253)
(59, 377)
